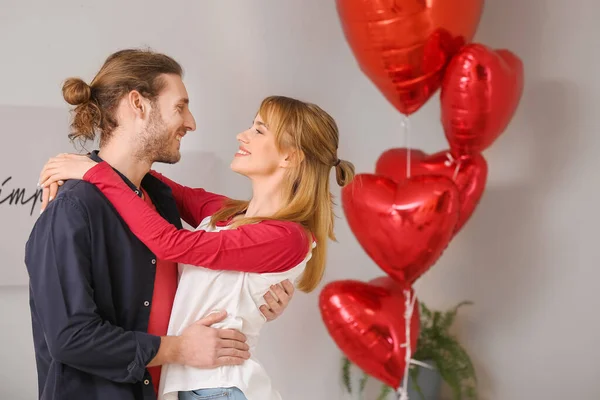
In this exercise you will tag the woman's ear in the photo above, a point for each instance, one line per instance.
(292, 159)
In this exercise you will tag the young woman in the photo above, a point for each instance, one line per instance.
(240, 249)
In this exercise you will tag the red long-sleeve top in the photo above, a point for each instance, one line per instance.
(268, 246)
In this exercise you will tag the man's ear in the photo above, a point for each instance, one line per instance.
(138, 104)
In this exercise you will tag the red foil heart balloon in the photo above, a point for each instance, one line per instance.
(367, 322)
(480, 94)
(404, 46)
(404, 227)
(469, 174)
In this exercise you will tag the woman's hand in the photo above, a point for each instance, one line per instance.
(60, 168)
(276, 306)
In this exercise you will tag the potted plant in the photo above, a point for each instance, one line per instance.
(446, 358)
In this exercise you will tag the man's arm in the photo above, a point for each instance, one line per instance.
(59, 265)
(58, 261)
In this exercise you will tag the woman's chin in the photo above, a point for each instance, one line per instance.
(236, 168)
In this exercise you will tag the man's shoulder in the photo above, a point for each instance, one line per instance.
(69, 213)
(79, 194)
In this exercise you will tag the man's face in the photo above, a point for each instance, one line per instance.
(170, 119)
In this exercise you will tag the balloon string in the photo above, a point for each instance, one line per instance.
(450, 161)
(409, 302)
(406, 132)
(420, 364)
(456, 172)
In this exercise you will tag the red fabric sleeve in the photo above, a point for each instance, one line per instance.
(193, 204)
(268, 246)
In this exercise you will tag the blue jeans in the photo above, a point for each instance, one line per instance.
(213, 394)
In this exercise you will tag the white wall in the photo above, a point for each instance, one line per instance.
(527, 258)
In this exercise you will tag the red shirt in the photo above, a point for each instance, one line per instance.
(268, 246)
(165, 286)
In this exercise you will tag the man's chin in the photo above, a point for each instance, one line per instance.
(170, 159)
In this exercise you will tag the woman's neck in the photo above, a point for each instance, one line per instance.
(267, 199)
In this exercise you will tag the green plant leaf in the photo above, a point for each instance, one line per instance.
(363, 382)
(451, 359)
(449, 316)
(385, 391)
(425, 311)
(346, 364)
(435, 321)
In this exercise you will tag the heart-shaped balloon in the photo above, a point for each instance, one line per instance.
(404, 227)
(480, 94)
(367, 322)
(469, 174)
(403, 46)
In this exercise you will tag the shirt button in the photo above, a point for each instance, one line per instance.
(146, 303)
(137, 192)
(154, 261)
(146, 382)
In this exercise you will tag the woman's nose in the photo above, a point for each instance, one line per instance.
(242, 136)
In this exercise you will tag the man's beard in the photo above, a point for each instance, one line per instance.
(156, 141)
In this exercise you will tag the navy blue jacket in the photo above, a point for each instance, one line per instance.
(91, 285)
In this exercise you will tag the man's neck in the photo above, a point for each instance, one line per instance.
(119, 156)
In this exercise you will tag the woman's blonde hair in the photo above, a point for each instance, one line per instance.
(313, 134)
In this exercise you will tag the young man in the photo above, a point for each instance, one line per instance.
(100, 300)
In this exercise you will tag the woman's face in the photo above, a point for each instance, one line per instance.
(258, 155)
